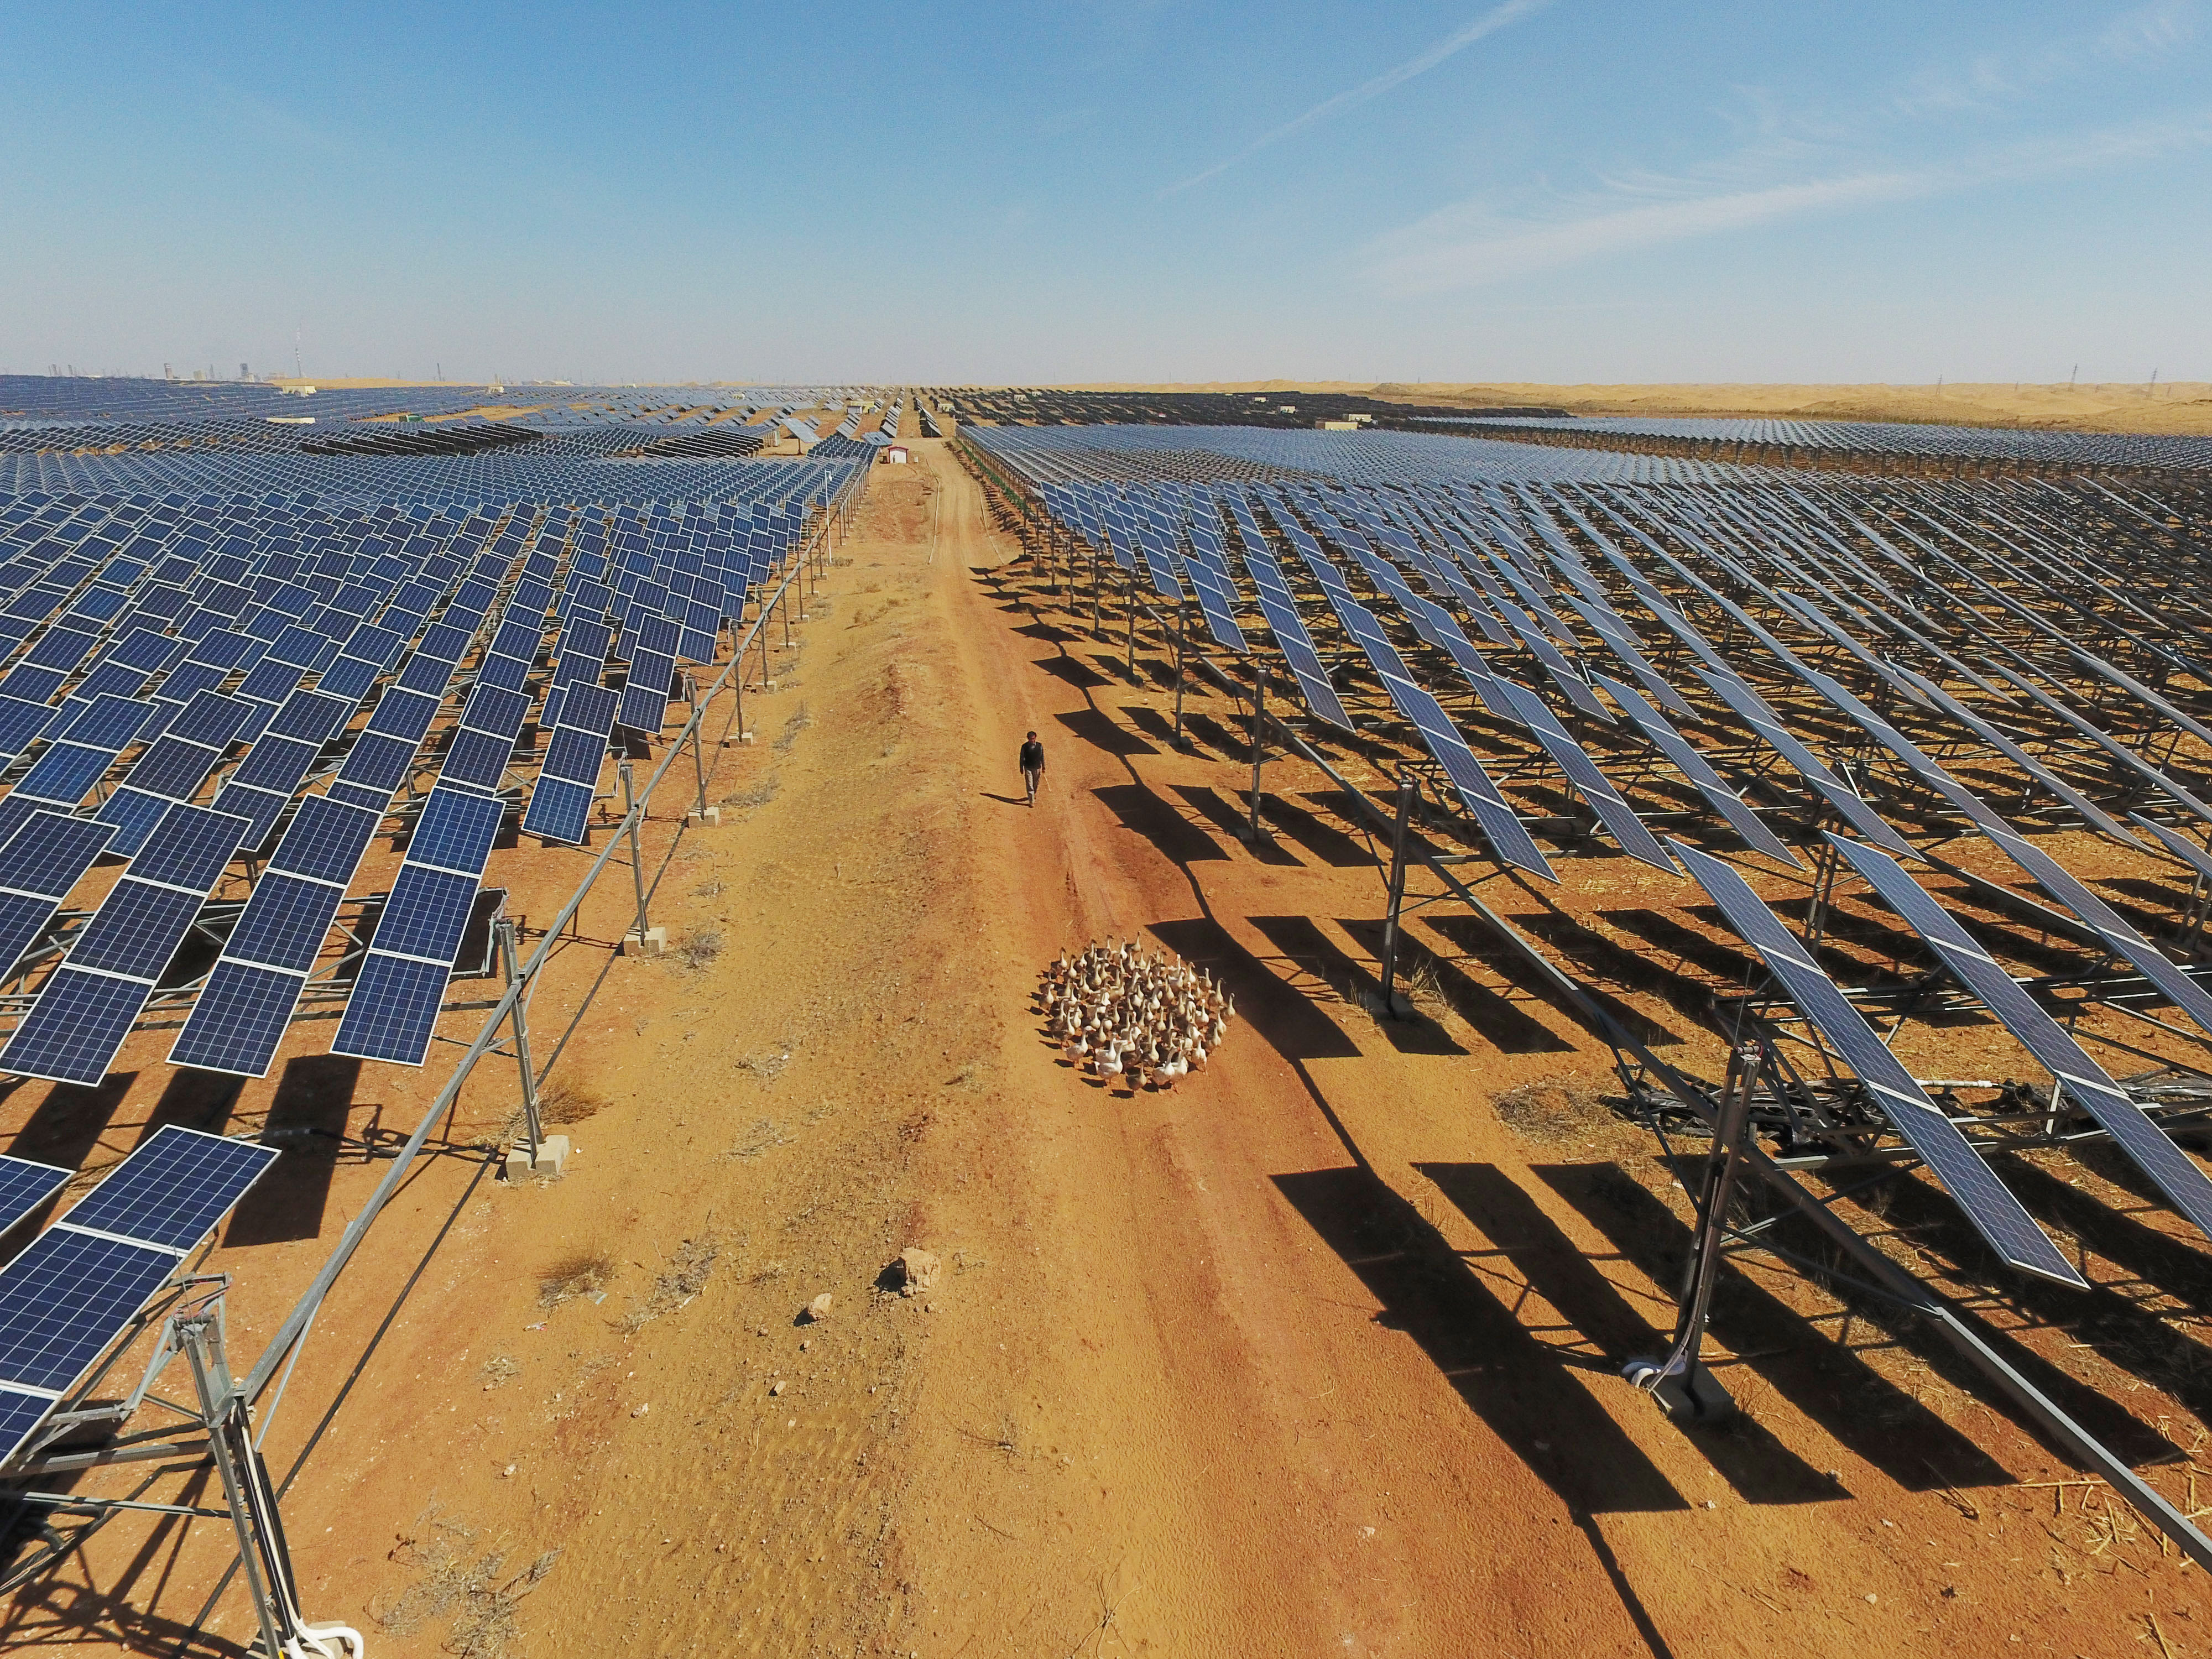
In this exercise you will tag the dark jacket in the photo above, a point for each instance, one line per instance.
(1033, 757)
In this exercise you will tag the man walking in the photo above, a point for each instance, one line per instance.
(1032, 765)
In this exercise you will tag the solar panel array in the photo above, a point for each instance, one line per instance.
(284, 655)
(1787, 650)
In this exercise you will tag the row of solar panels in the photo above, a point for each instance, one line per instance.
(87, 1007)
(1510, 533)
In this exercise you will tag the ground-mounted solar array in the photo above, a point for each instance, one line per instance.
(1733, 670)
(1868, 440)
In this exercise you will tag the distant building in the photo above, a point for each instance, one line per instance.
(1338, 426)
(894, 455)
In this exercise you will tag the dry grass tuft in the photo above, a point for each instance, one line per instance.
(580, 1273)
(799, 720)
(684, 1278)
(1552, 1109)
(759, 792)
(482, 1604)
(699, 950)
(765, 1136)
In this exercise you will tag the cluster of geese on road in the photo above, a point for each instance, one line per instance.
(1120, 1011)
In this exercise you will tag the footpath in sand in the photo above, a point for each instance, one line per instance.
(1315, 1354)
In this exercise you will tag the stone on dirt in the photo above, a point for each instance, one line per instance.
(817, 1310)
(918, 1271)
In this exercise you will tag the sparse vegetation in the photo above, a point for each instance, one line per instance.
(683, 1279)
(759, 792)
(580, 1273)
(1553, 1108)
(698, 950)
(799, 720)
(481, 1605)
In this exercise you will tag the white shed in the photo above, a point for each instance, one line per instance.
(894, 455)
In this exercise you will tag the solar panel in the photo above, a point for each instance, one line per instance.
(1995, 1213)
(1613, 810)
(106, 722)
(2187, 851)
(2180, 1178)
(1509, 838)
(327, 840)
(559, 810)
(75, 1026)
(46, 856)
(1694, 766)
(66, 1297)
(174, 1188)
(394, 1011)
(190, 849)
(138, 938)
(21, 1413)
(24, 1186)
(1753, 711)
(455, 832)
(2118, 937)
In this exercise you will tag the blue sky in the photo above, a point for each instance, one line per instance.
(1540, 190)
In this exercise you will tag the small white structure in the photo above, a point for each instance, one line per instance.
(894, 455)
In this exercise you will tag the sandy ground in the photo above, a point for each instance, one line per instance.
(2170, 407)
(1315, 1354)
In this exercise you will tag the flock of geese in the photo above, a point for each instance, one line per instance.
(1120, 1011)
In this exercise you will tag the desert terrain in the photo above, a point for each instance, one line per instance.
(1317, 1352)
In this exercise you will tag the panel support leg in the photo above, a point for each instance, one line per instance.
(1407, 789)
(1684, 1389)
(506, 962)
(1258, 744)
(1180, 639)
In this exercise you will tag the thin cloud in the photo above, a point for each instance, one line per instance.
(1466, 245)
(1489, 23)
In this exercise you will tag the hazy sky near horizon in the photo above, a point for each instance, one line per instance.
(1537, 190)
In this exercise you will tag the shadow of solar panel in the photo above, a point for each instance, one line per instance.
(1995, 1213)
(136, 930)
(394, 1011)
(189, 848)
(2177, 1175)
(426, 914)
(75, 1026)
(66, 1297)
(284, 923)
(174, 1188)
(559, 810)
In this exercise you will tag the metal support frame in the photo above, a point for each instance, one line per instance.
(631, 818)
(1685, 1390)
(1259, 745)
(1181, 614)
(505, 927)
(1408, 789)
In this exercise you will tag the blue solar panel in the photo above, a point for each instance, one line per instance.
(22, 920)
(492, 709)
(589, 708)
(425, 676)
(134, 815)
(238, 1020)
(65, 773)
(1614, 812)
(74, 1028)
(189, 848)
(1995, 1213)
(1694, 766)
(136, 931)
(24, 1186)
(66, 1297)
(379, 763)
(574, 756)
(558, 810)
(49, 853)
(404, 715)
(209, 718)
(426, 914)
(393, 1013)
(105, 722)
(20, 1415)
(172, 768)
(455, 831)
(174, 1188)
(477, 757)
(284, 923)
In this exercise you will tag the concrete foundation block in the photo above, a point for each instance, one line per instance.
(708, 818)
(653, 942)
(552, 1156)
(518, 1162)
